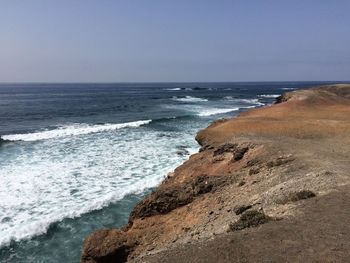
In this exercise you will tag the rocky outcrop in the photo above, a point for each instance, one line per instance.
(166, 199)
(265, 185)
(107, 246)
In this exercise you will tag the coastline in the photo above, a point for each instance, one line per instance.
(264, 170)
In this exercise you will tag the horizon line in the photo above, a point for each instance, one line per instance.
(159, 82)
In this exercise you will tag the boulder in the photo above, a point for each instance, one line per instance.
(105, 246)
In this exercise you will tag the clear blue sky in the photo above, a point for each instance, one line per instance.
(178, 40)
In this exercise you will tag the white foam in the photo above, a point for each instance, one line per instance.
(249, 107)
(174, 89)
(269, 96)
(189, 99)
(215, 111)
(65, 178)
(288, 88)
(249, 101)
(72, 130)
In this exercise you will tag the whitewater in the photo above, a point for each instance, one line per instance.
(72, 130)
(61, 182)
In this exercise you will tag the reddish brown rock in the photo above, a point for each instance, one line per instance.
(106, 246)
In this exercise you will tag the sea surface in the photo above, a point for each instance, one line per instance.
(78, 157)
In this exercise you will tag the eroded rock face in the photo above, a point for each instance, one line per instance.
(167, 199)
(161, 202)
(106, 246)
(227, 147)
(283, 98)
(238, 151)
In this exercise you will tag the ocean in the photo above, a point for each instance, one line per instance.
(78, 157)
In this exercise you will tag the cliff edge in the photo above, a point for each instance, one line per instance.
(271, 185)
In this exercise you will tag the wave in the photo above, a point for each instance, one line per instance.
(71, 178)
(269, 95)
(72, 130)
(288, 88)
(174, 89)
(172, 118)
(189, 89)
(215, 111)
(250, 101)
(189, 99)
(43, 225)
(177, 89)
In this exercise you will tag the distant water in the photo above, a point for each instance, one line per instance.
(80, 156)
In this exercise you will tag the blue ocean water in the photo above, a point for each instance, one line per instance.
(78, 157)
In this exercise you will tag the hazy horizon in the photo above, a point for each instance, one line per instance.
(182, 41)
(173, 82)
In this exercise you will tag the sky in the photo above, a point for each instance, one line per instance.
(174, 41)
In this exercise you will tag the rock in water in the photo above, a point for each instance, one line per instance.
(2, 141)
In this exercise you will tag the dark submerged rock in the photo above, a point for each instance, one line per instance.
(182, 150)
(2, 141)
(198, 88)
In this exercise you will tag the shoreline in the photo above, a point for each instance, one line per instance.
(260, 171)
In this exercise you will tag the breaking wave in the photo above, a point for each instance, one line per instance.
(73, 130)
(250, 101)
(215, 111)
(40, 189)
(269, 96)
(189, 99)
(174, 89)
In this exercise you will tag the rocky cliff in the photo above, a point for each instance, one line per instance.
(271, 185)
